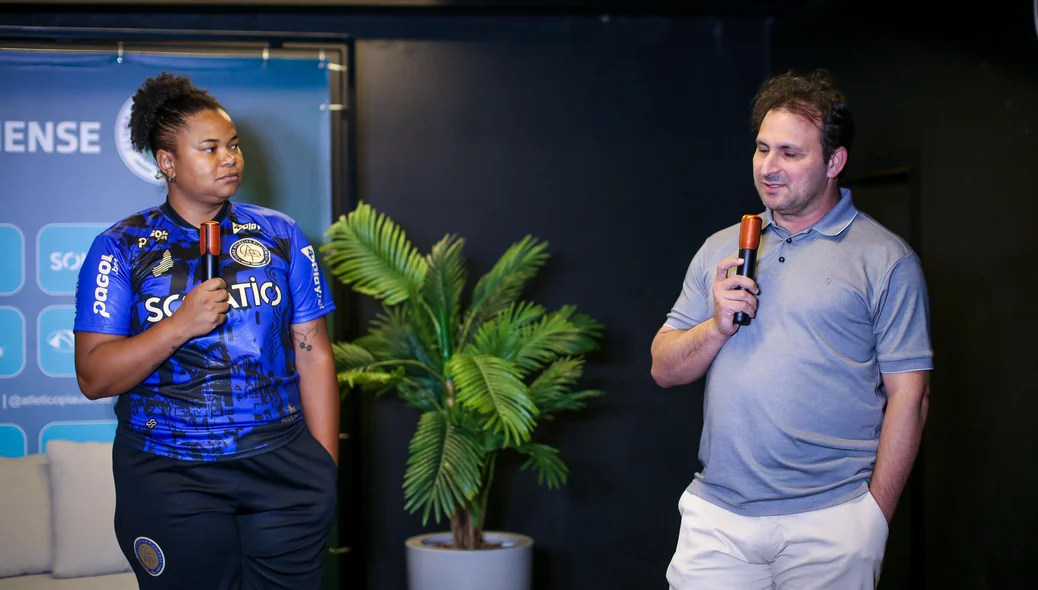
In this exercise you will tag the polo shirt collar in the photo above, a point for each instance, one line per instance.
(834, 222)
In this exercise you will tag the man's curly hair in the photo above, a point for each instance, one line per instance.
(813, 97)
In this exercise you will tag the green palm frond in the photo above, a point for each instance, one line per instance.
(442, 289)
(368, 380)
(491, 387)
(376, 345)
(501, 336)
(393, 336)
(552, 389)
(574, 400)
(351, 356)
(503, 284)
(556, 379)
(488, 439)
(516, 336)
(443, 471)
(546, 462)
(546, 340)
(369, 252)
(589, 331)
(424, 335)
(424, 394)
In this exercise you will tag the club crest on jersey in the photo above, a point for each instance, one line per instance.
(249, 252)
(150, 555)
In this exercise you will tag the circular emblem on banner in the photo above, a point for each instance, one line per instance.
(150, 555)
(249, 252)
(138, 163)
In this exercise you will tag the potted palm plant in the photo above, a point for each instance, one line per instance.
(482, 369)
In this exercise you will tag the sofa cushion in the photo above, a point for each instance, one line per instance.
(25, 516)
(83, 496)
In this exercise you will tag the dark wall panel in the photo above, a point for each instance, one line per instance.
(624, 156)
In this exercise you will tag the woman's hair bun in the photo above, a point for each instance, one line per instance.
(164, 101)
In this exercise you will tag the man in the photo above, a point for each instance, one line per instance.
(814, 410)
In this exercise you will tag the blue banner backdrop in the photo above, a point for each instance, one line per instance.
(67, 172)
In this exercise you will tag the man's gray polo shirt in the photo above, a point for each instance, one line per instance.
(794, 401)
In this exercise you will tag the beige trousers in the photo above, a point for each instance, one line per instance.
(840, 547)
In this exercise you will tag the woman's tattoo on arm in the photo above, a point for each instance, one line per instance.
(305, 335)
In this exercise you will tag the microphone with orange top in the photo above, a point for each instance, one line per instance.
(209, 245)
(749, 240)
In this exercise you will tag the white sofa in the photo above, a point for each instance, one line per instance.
(56, 513)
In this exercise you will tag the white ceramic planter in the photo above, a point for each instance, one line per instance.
(433, 568)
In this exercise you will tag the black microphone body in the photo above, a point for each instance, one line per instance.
(749, 240)
(747, 269)
(211, 265)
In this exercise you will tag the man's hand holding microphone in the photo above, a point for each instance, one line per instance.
(735, 301)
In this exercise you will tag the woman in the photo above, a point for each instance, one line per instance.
(225, 457)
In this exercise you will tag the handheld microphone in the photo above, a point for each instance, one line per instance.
(749, 240)
(209, 246)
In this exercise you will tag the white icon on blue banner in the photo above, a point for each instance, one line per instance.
(61, 249)
(55, 342)
(12, 342)
(12, 259)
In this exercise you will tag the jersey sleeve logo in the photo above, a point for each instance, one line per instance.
(105, 268)
(312, 256)
(249, 252)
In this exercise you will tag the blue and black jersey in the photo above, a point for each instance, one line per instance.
(234, 391)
